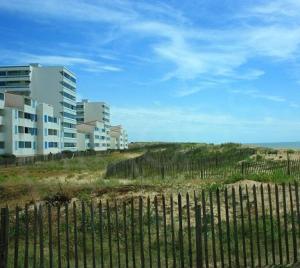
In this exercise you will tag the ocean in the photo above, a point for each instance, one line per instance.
(279, 145)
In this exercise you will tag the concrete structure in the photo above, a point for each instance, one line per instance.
(29, 128)
(118, 138)
(94, 111)
(53, 85)
(92, 135)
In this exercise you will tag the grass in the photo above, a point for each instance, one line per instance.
(84, 177)
(45, 180)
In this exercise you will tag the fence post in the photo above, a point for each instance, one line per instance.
(243, 168)
(4, 237)
(288, 165)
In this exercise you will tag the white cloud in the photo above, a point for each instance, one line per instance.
(194, 51)
(258, 95)
(84, 63)
(175, 124)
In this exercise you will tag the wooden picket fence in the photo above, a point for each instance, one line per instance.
(242, 226)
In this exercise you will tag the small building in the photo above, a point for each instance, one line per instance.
(92, 135)
(118, 138)
(29, 128)
(94, 111)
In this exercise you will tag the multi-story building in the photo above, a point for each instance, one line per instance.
(92, 135)
(53, 85)
(29, 128)
(118, 138)
(94, 111)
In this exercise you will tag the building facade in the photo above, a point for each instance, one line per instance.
(94, 111)
(92, 136)
(52, 85)
(25, 129)
(118, 138)
(39, 114)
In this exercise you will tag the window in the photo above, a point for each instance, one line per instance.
(46, 145)
(69, 145)
(53, 144)
(79, 106)
(68, 86)
(21, 144)
(2, 145)
(27, 144)
(69, 106)
(16, 129)
(2, 73)
(52, 132)
(32, 117)
(97, 145)
(1, 96)
(68, 125)
(97, 137)
(71, 78)
(17, 73)
(27, 102)
(68, 96)
(45, 118)
(24, 144)
(69, 135)
(68, 115)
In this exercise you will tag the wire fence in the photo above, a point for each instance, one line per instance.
(242, 226)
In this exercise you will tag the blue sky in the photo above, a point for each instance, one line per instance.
(211, 71)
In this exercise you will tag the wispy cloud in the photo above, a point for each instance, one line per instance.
(174, 124)
(258, 95)
(193, 50)
(86, 64)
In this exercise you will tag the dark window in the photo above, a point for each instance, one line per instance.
(68, 96)
(1, 96)
(2, 145)
(68, 115)
(69, 135)
(68, 125)
(71, 78)
(16, 73)
(69, 145)
(68, 86)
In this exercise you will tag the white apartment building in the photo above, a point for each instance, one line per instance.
(118, 138)
(92, 135)
(29, 128)
(94, 111)
(53, 85)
